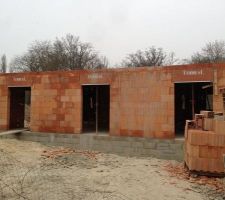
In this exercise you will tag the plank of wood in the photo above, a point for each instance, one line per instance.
(12, 131)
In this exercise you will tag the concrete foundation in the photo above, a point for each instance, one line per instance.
(128, 146)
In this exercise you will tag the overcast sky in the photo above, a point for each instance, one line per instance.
(114, 27)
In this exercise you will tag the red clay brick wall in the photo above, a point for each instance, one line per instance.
(146, 104)
(218, 99)
(56, 104)
(3, 104)
(141, 99)
(55, 101)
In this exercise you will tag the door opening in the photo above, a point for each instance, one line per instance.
(20, 98)
(190, 99)
(96, 108)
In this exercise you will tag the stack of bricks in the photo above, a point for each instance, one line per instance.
(204, 149)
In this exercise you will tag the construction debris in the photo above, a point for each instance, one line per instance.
(59, 152)
(181, 172)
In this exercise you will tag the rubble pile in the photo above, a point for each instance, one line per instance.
(60, 152)
(181, 172)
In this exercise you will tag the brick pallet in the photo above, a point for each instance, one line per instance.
(204, 151)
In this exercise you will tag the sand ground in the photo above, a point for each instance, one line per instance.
(26, 174)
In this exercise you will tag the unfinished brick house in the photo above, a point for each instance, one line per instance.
(145, 102)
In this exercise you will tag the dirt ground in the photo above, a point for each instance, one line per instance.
(30, 170)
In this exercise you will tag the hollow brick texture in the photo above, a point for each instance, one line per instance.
(141, 99)
(204, 151)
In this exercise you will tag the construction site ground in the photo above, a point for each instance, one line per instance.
(30, 170)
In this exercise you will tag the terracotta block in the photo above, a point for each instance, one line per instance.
(3, 109)
(77, 92)
(64, 98)
(69, 92)
(76, 99)
(34, 128)
(3, 122)
(71, 85)
(64, 80)
(124, 132)
(167, 98)
(199, 119)
(45, 79)
(51, 117)
(68, 117)
(69, 105)
(207, 114)
(204, 152)
(51, 92)
(217, 140)
(3, 98)
(77, 130)
(56, 86)
(54, 79)
(3, 92)
(219, 126)
(198, 164)
(60, 117)
(73, 77)
(35, 123)
(208, 124)
(214, 152)
(162, 134)
(137, 133)
(216, 165)
(186, 147)
(2, 81)
(188, 125)
(167, 127)
(222, 150)
(197, 137)
(194, 150)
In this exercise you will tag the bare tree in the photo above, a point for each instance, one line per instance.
(171, 59)
(3, 64)
(98, 63)
(213, 52)
(149, 57)
(67, 53)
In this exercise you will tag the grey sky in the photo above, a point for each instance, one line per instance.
(114, 27)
